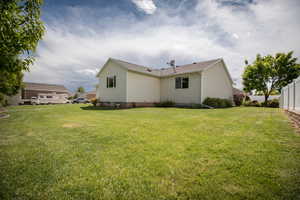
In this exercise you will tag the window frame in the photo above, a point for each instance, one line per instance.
(182, 82)
(112, 84)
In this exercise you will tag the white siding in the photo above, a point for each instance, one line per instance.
(216, 83)
(117, 94)
(188, 95)
(142, 88)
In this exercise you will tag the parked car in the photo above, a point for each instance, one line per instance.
(81, 100)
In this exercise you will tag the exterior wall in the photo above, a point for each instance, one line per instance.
(27, 94)
(290, 96)
(142, 88)
(215, 83)
(117, 94)
(185, 96)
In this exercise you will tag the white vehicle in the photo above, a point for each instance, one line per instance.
(51, 98)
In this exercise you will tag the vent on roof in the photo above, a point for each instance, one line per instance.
(194, 63)
(162, 68)
(149, 70)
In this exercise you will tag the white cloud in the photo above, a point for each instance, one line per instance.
(147, 6)
(72, 57)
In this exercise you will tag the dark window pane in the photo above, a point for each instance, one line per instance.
(106, 82)
(114, 81)
(185, 82)
(111, 82)
(178, 82)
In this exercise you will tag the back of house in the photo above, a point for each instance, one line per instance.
(135, 85)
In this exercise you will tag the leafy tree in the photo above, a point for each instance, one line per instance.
(269, 74)
(21, 29)
(80, 89)
(75, 96)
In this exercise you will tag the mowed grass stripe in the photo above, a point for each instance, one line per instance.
(78, 152)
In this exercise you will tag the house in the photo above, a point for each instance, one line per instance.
(34, 89)
(90, 95)
(135, 85)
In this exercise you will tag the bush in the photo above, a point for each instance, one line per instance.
(238, 99)
(217, 102)
(274, 103)
(252, 103)
(165, 104)
(94, 101)
(3, 100)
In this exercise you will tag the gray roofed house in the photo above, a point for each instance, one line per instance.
(33, 89)
(131, 84)
(45, 87)
(168, 71)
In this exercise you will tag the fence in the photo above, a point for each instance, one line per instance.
(290, 96)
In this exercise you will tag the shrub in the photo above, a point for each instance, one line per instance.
(252, 103)
(228, 103)
(94, 101)
(238, 99)
(247, 98)
(217, 102)
(165, 104)
(274, 103)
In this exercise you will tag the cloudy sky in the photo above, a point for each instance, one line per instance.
(82, 34)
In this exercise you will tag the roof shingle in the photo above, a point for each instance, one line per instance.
(169, 71)
(45, 87)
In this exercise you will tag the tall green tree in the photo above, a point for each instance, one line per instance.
(269, 74)
(80, 89)
(20, 30)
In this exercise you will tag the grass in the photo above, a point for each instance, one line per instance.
(77, 152)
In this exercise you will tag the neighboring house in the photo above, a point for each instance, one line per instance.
(34, 89)
(90, 95)
(134, 85)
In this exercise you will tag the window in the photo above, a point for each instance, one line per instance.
(111, 82)
(181, 82)
(49, 97)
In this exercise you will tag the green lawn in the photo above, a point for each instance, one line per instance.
(75, 152)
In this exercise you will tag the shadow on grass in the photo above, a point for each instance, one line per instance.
(113, 108)
(100, 108)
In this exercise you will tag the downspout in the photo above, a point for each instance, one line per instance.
(201, 86)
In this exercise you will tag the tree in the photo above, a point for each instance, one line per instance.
(21, 29)
(270, 73)
(80, 89)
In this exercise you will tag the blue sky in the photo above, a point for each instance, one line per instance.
(82, 34)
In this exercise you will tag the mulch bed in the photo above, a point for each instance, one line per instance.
(293, 121)
(3, 113)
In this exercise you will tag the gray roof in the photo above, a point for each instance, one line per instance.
(45, 87)
(169, 71)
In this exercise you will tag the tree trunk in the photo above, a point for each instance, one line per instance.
(266, 98)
